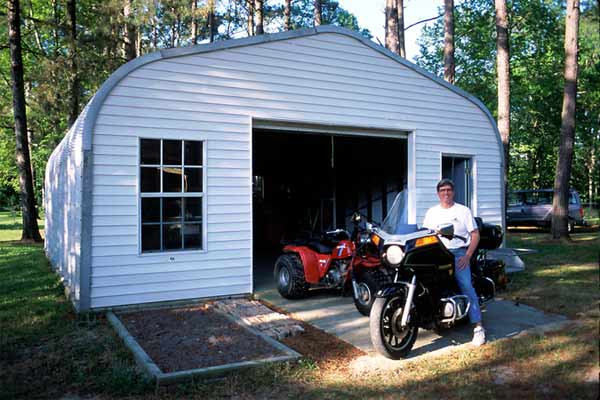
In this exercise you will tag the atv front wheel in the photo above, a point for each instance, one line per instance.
(367, 285)
(289, 276)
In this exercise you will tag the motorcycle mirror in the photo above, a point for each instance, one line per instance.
(446, 229)
(356, 217)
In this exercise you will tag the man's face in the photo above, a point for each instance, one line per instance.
(446, 194)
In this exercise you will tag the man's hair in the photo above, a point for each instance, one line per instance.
(444, 182)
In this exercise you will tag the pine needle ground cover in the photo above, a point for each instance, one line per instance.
(47, 351)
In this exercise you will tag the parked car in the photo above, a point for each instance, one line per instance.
(534, 207)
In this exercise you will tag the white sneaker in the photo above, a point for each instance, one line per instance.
(478, 336)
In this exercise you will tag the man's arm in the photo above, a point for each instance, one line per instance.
(474, 242)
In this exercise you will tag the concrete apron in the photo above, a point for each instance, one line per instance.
(337, 315)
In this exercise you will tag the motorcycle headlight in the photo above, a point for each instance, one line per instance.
(394, 254)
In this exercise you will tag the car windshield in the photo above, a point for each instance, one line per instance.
(396, 221)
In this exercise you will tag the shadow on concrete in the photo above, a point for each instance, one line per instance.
(336, 314)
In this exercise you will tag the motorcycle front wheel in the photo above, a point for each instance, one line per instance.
(387, 336)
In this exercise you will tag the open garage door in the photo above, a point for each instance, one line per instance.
(313, 182)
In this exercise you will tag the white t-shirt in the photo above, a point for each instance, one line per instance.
(457, 215)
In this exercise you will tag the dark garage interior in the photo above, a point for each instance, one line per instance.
(307, 182)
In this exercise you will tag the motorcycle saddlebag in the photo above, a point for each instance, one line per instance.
(490, 235)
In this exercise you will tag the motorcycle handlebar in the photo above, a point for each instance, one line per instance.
(452, 236)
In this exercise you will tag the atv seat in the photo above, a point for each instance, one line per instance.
(320, 247)
(314, 244)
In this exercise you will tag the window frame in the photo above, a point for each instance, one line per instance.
(161, 195)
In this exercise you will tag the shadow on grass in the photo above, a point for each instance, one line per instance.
(482, 373)
(46, 350)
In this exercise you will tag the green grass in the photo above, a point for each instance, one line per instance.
(561, 277)
(47, 351)
(10, 225)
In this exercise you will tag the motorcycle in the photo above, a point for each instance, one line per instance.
(335, 260)
(423, 292)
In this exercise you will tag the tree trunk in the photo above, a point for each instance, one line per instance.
(318, 12)
(449, 40)
(503, 66)
(130, 34)
(560, 203)
(287, 15)
(30, 141)
(155, 32)
(75, 90)
(155, 29)
(211, 21)
(391, 26)
(591, 169)
(258, 4)
(194, 27)
(178, 27)
(401, 44)
(30, 226)
(250, 6)
(55, 28)
(173, 29)
(139, 44)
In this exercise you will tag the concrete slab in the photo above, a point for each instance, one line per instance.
(510, 257)
(337, 315)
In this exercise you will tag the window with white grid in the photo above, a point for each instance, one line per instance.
(171, 194)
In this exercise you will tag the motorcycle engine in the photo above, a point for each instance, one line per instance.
(337, 273)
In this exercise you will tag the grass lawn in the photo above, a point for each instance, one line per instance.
(46, 351)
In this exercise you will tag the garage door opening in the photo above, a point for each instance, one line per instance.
(313, 182)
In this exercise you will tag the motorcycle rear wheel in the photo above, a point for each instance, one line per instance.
(289, 277)
(387, 337)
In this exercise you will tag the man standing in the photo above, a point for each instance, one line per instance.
(449, 212)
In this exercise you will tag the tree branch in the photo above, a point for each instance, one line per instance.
(425, 20)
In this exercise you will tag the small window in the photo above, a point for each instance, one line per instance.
(171, 190)
(515, 199)
(545, 197)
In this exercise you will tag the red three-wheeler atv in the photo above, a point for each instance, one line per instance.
(335, 260)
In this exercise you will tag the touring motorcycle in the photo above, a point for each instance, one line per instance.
(334, 260)
(423, 292)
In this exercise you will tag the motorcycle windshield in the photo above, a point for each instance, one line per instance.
(396, 222)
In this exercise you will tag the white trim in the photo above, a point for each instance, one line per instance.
(331, 129)
(472, 157)
(251, 136)
(411, 176)
(160, 195)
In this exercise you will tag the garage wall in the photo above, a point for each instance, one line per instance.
(329, 78)
(62, 208)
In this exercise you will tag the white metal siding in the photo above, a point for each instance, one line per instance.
(62, 204)
(324, 79)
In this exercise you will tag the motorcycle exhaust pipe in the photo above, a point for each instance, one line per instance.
(409, 298)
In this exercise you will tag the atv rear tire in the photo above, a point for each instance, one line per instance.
(289, 277)
(368, 283)
(384, 326)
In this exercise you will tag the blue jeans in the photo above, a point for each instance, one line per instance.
(463, 278)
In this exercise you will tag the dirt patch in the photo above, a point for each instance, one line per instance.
(194, 337)
(328, 351)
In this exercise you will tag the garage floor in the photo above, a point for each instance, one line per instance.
(337, 315)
